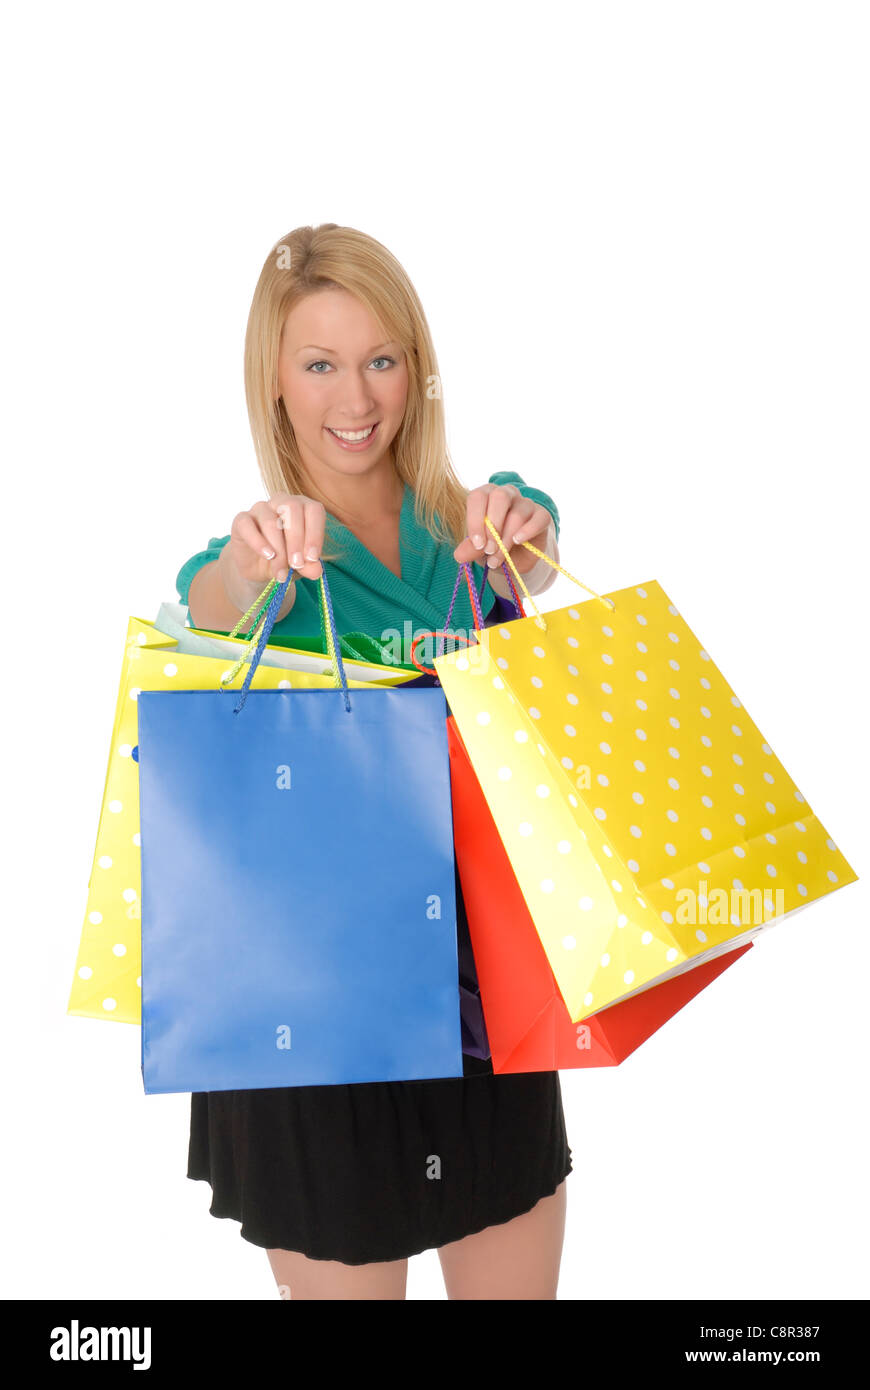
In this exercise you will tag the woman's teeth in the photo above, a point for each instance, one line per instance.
(352, 436)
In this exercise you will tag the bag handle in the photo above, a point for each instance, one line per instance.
(260, 610)
(514, 597)
(539, 619)
(273, 594)
(475, 597)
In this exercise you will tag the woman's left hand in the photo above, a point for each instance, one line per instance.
(516, 518)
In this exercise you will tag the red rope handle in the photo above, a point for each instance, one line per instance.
(433, 632)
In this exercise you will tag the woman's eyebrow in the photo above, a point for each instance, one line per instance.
(317, 348)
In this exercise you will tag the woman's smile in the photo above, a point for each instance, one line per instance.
(354, 440)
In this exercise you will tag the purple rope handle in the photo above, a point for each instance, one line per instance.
(475, 597)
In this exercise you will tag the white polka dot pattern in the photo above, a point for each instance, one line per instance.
(629, 786)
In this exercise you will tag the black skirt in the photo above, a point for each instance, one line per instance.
(380, 1170)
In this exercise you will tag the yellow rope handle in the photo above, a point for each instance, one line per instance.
(253, 637)
(550, 561)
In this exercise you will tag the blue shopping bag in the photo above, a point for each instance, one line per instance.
(298, 884)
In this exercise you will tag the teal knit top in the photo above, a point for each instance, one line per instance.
(366, 595)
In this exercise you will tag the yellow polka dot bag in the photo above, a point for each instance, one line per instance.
(107, 976)
(648, 821)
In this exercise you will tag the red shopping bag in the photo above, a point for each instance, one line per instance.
(527, 1023)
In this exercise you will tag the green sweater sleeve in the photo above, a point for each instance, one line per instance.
(196, 562)
(533, 493)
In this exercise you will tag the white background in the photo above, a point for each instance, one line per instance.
(640, 235)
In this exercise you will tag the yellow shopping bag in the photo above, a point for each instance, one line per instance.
(106, 980)
(649, 824)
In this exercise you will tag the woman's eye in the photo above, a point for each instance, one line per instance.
(321, 363)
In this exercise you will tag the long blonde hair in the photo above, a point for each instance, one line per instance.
(333, 257)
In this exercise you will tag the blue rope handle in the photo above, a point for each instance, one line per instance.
(330, 637)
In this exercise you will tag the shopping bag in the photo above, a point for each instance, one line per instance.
(298, 900)
(362, 654)
(527, 1024)
(106, 977)
(647, 820)
(475, 1042)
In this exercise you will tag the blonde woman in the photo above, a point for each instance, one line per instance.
(336, 1182)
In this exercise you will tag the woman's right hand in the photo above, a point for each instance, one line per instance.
(289, 526)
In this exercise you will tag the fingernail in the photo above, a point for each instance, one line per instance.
(269, 554)
(297, 558)
(312, 553)
(282, 575)
(478, 541)
(519, 538)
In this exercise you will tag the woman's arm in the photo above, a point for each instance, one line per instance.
(218, 596)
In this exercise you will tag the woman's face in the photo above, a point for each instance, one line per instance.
(335, 373)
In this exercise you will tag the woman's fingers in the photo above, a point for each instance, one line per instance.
(480, 502)
(302, 524)
(315, 529)
(506, 508)
(534, 528)
(512, 522)
(258, 536)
